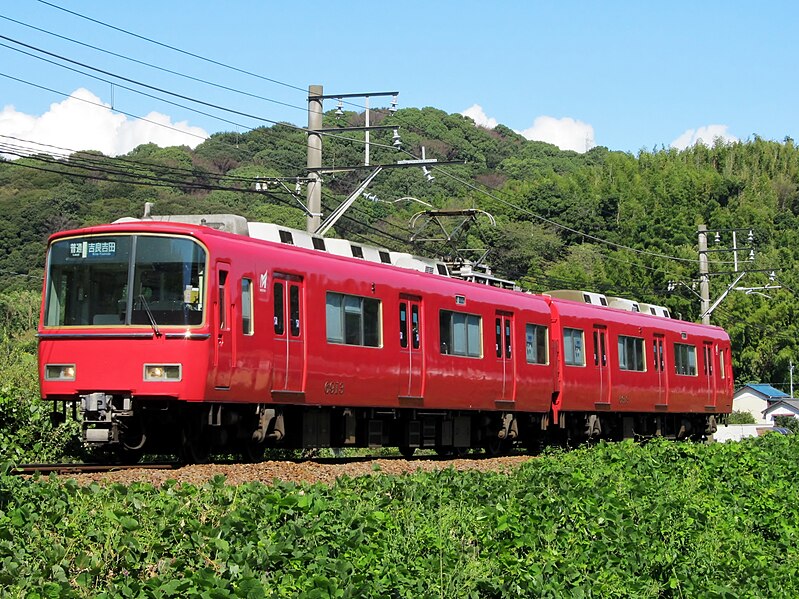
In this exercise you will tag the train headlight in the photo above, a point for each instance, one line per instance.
(59, 372)
(162, 372)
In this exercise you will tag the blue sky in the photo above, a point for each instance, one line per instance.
(626, 75)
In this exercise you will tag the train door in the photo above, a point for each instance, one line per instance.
(411, 351)
(503, 326)
(601, 364)
(709, 382)
(223, 353)
(288, 368)
(659, 365)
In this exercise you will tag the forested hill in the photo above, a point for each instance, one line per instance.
(603, 221)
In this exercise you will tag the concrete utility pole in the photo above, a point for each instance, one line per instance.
(314, 196)
(704, 276)
(739, 270)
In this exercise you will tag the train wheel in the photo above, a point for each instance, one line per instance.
(407, 452)
(195, 447)
(253, 452)
(494, 446)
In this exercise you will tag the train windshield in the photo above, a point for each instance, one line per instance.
(107, 280)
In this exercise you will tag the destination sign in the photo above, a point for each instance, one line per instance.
(92, 249)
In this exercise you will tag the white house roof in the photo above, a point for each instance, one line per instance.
(788, 405)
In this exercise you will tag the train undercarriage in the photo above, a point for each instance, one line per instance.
(129, 428)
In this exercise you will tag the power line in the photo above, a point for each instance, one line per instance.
(181, 51)
(167, 92)
(153, 66)
(49, 89)
(151, 181)
(74, 155)
(173, 48)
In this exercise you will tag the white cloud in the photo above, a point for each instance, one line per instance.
(705, 135)
(84, 122)
(476, 113)
(566, 133)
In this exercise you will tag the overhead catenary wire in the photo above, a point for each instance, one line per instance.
(75, 156)
(185, 52)
(147, 181)
(169, 93)
(154, 66)
(215, 106)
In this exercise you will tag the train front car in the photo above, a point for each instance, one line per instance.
(124, 332)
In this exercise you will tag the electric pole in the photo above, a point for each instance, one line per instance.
(314, 194)
(704, 276)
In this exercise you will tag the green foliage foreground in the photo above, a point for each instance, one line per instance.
(622, 520)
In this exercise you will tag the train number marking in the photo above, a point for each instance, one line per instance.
(334, 388)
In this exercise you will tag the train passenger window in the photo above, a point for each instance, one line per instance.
(499, 337)
(403, 314)
(536, 343)
(460, 334)
(685, 359)
(507, 339)
(246, 307)
(223, 300)
(631, 353)
(277, 293)
(573, 344)
(415, 339)
(294, 310)
(721, 364)
(352, 320)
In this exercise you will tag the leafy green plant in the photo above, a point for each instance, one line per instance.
(616, 520)
(740, 418)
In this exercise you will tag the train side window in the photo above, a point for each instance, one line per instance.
(403, 322)
(415, 339)
(507, 338)
(537, 344)
(460, 334)
(246, 307)
(277, 293)
(631, 353)
(573, 346)
(223, 300)
(352, 320)
(294, 310)
(709, 354)
(685, 359)
(499, 337)
(722, 370)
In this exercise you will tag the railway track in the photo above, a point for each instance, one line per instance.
(77, 468)
(82, 468)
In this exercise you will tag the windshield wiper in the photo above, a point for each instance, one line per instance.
(150, 315)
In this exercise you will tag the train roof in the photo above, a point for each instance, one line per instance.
(238, 225)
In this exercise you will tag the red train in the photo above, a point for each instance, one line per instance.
(228, 336)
